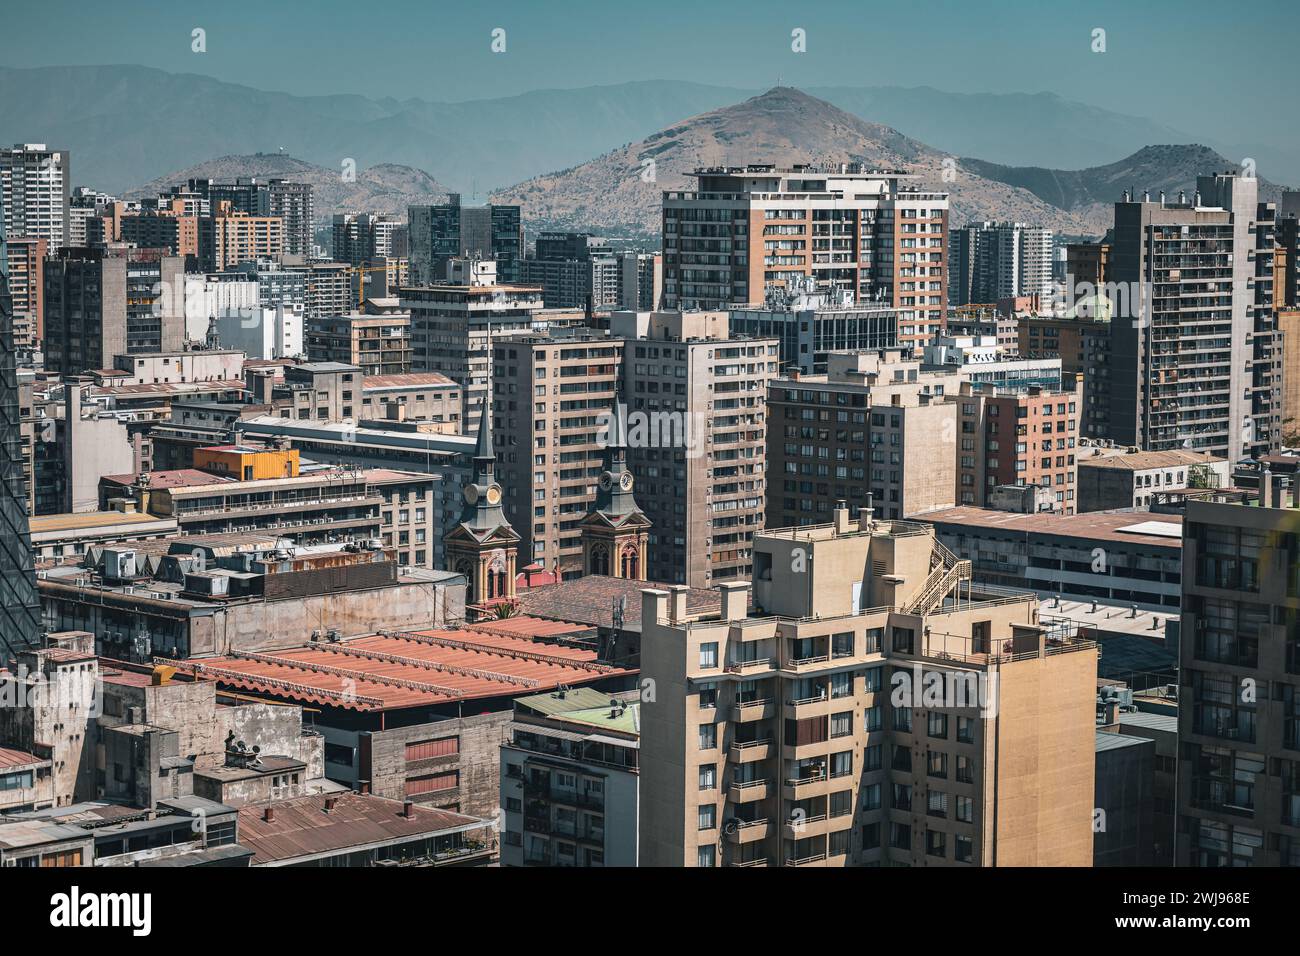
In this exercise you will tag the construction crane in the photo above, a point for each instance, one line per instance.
(362, 271)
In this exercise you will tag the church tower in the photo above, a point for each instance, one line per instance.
(483, 546)
(614, 533)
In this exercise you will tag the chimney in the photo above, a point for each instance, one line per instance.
(677, 604)
(408, 809)
(654, 606)
(1110, 713)
(331, 803)
(269, 814)
(364, 786)
(735, 600)
(842, 524)
(1279, 496)
(1266, 487)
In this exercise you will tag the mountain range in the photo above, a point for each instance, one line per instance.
(125, 123)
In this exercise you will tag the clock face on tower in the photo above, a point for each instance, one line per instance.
(606, 479)
(494, 494)
(471, 494)
(626, 481)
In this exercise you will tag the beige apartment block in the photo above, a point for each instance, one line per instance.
(785, 734)
(696, 403)
(553, 396)
(882, 430)
(873, 233)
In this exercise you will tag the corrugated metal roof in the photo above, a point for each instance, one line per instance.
(11, 758)
(302, 827)
(1166, 722)
(1109, 741)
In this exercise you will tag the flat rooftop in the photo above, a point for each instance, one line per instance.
(1143, 460)
(91, 520)
(174, 478)
(407, 669)
(1117, 618)
(1121, 526)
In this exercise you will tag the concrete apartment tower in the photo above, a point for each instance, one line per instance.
(1239, 700)
(1195, 362)
(877, 708)
(744, 229)
(20, 608)
(35, 192)
(696, 399)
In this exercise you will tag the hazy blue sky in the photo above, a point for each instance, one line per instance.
(1167, 59)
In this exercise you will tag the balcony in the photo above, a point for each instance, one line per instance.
(739, 832)
(818, 706)
(761, 861)
(749, 791)
(805, 751)
(799, 788)
(817, 859)
(803, 665)
(748, 751)
(745, 711)
(757, 665)
(799, 829)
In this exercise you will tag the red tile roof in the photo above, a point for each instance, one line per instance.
(410, 669)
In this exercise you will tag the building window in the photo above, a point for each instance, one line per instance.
(709, 655)
(706, 856)
(708, 736)
(708, 816)
(965, 810)
(708, 776)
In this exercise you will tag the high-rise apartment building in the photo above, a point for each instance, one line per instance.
(696, 435)
(1239, 703)
(295, 205)
(746, 228)
(575, 270)
(26, 263)
(362, 238)
(877, 708)
(35, 190)
(454, 230)
(228, 238)
(1082, 343)
(552, 396)
(168, 226)
(101, 303)
(641, 281)
(999, 260)
(911, 438)
(1088, 262)
(20, 609)
(451, 324)
(1286, 289)
(292, 203)
(1194, 357)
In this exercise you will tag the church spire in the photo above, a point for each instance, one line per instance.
(615, 532)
